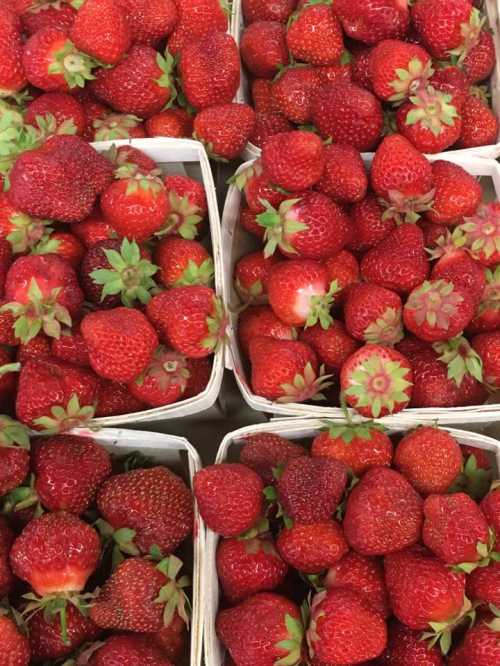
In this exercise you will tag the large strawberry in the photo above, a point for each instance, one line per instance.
(263, 48)
(458, 194)
(260, 320)
(371, 21)
(266, 451)
(101, 30)
(447, 29)
(14, 454)
(373, 314)
(294, 160)
(150, 20)
(224, 129)
(314, 34)
(312, 548)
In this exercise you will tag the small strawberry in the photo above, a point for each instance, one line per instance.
(164, 380)
(150, 20)
(172, 122)
(229, 497)
(200, 374)
(452, 80)
(260, 320)
(93, 230)
(182, 262)
(487, 317)
(51, 14)
(14, 454)
(265, 451)
(374, 314)
(314, 34)
(373, 20)
(333, 345)
(128, 650)
(361, 68)
(369, 223)
(15, 644)
(188, 206)
(406, 647)
(251, 274)
(294, 160)
(68, 113)
(292, 93)
(457, 195)
(130, 160)
(263, 48)
(344, 178)
(446, 30)
(114, 399)
(487, 345)
(171, 640)
(224, 129)
(479, 124)
(261, 10)
(480, 60)
(480, 233)
(313, 547)
(101, 30)
(483, 584)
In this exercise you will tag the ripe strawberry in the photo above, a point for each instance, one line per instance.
(172, 640)
(172, 122)
(14, 454)
(190, 319)
(358, 446)
(369, 223)
(257, 187)
(262, 630)
(12, 78)
(118, 126)
(452, 80)
(340, 612)
(210, 70)
(260, 320)
(229, 497)
(68, 113)
(406, 647)
(480, 60)
(480, 645)
(294, 160)
(64, 244)
(373, 314)
(163, 381)
(37, 347)
(155, 504)
(54, 395)
(15, 644)
(6, 577)
(479, 124)
(377, 381)
(263, 48)
(267, 124)
(487, 314)
(150, 20)
(128, 650)
(261, 10)
(292, 93)
(446, 30)
(313, 547)
(101, 30)
(114, 399)
(183, 262)
(487, 345)
(93, 230)
(344, 178)
(314, 35)
(457, 195)
(343, 268)
(422, 589)
(224, 129)
(348, 114)
(373, 20)
(50, 14)
(479, 234)
(195, 20)
(21, 230)
(430, 458)
(398, 261)
(129, 159)
(200, 373)
(265, 451)
(398, 69)
(251, 274)
(339, 71)
(360, 68)
(140, 84)
(188, 205)
(68, 471)
(248, 566)
(383, 513)
(364, 575)
(483, 584)
(458, 267)
(333, 345)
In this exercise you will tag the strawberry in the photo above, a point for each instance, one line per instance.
(373, 314)
(7, 336)
(224, 129)
(479, 124)
(93, 230)
(263, 48)
(135, 207)
(257, 187)
(487, 345)
(358, 446)
(190, 319)
(68, 472)
(21, 230)
(42, 293)
(195, 20)
(127, 158)
(150, 20)
(54, 395)
(51, 14)
(229, 497)
(262, 630)
(480, 60)
(188, 205)
(12, 77)
(333, 345)
(37, 348)
(313, 547)
(458, 267)
(309, 489)
(398, 69)
(210, 70)
(183, 262)
(438, 310)
(430, 458)
(369, 223)
(251, 274)
(68, 113)
(6, 577)
(377, 381)
(260, 320)
(163, 381)
(267, 125)
(172, 640)
(402, 177)
(64, 244)
(446, 30)
(480, 647)
(101, 30)
(154, 505)
(15, 644)
(452, 80)
(294, 160)
(292, 92)
(70, 347)
(457, 195)
(339, 71)
(299, 293)
(248, 220)
(373, 20)
(114, 399)
(398, 261)
(200, 374)
(406, 647)
(314, 34)
(340, 612)
(483, 584)
(118, 126)
(140, 84)
(261, 10)
(172, 122)
(348, 114)
(344, 178)
(14, 454)
(480, 232)
(364, 575)
(262, 96)
(342, 267)
(310, 227)
(487, 314)
(248, 566)
(360, 68)
(265, 451)
(422, 589)
(121, 343)
(383, 513)
(128, 650)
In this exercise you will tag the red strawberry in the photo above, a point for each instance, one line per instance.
(68, 113)
(398, 261)
(70, 347)
(183, 262)
(93, 230)
(480, 60)
(248, 566)
(64, 244)
(333, 345)
(487, 314)
(251, 274)
(6, 577)
(195, 20)
(267, 125)
(373, 314)
(344, 178)
(140, 84)
(261, 10)
(12, 78)
(313, 547)
(377, 381)
(260, 320)
(339, 71)
(294, 160)
(14, 454)
(15, 644)
(150, 20)
(257, 187)
(188, 205)
(263, 48)
(487, 345)
(68, 472)
(190, 319)
(343, 268)
(457, 195)
(458, 267)
(314, 35)
(21, 230)
(406, 647)
(172, 640)
(360, 68)
(340, 612)
(265, 451)
(373, 20)
(114, 399)
(480, 647)
(101, 30)
(37, 348)
(348, 114)
(164, 380)
(369, 223)
(479, 234)
(483, 584)
(262, 630)
(224, 129)
(479, 124)
(172, 122)
(292, 93)
(383, 513)
(55, 15)
(128, 650)
(118, 126)
(452, 80)
(262, 96)
(430, 458)
(364, 575)
(210, 70)
(446, 29)
(229, 497)
(128, 158)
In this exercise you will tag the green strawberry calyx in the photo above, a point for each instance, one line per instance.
(470, 33)
(216, 325)
(494, 625)
(293, 644)
(27, 231)
(306, 386)
(446, 244)
(166, 80)
(387, 329)
(13, 434)
(196, 273)
(406, 209)
(22, 497)
(75, 66)
(120, 540)
(280, 226)
(491, 295)
(350, 430)
(254, 293)
(130, 275)
(15, 139)
(167, 368)
(432, 110)
(209, 147)
(65, 418)
(115, 126)
(481, 233)
(183, 218)
(409, 80)
(460, 358)
(172, 594)
(320, 306)
(55, 605)
(442, 631)
(434, 303)
(486, 554)
(242, 178)
(49, 126)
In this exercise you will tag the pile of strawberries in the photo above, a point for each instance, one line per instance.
(114, 69)
(390, 546)
(356, 70)
(106, 303)
(367, 281)
(88, 570)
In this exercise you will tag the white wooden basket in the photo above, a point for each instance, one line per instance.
(237, 242)
(291, 429)
(492, 10)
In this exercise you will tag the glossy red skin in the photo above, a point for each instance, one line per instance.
(71, 347)
(114, 399)
(173, 254)
(422, 138)
(464, 271)
(368, 226)
(375, 20)
(150, 20)
(344, 178)
(14, 642)
(267, 124)
(480, 646)
(458, 194)
(313, 547)
(386, 58)
(406, 647)
(262, 10)
(248, 220)
(252, 271)
(359, 454)
(129, 650)
(483, 584)
(292, 93)
(491, 509)
(438, 24)
(189, 188)
(102, 30)
(37, 348)
(258, 187)
(40, 50)
(365, 304)
(265, 451)
(480, 61)
(93, 230)
(453, 81)
(315, 36)
(344, 268)
(479, 124)
(158, 386)
(195, 20)
(200, 372)
(262, 96)
(172, 122)
(225, 128)
(487, 346)
(12, 78)
(61, 17)
(172, 639)
(260, 320)
(14, 468)
(294, 160)
(333, 345)
(62, 106)
(263, 48)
